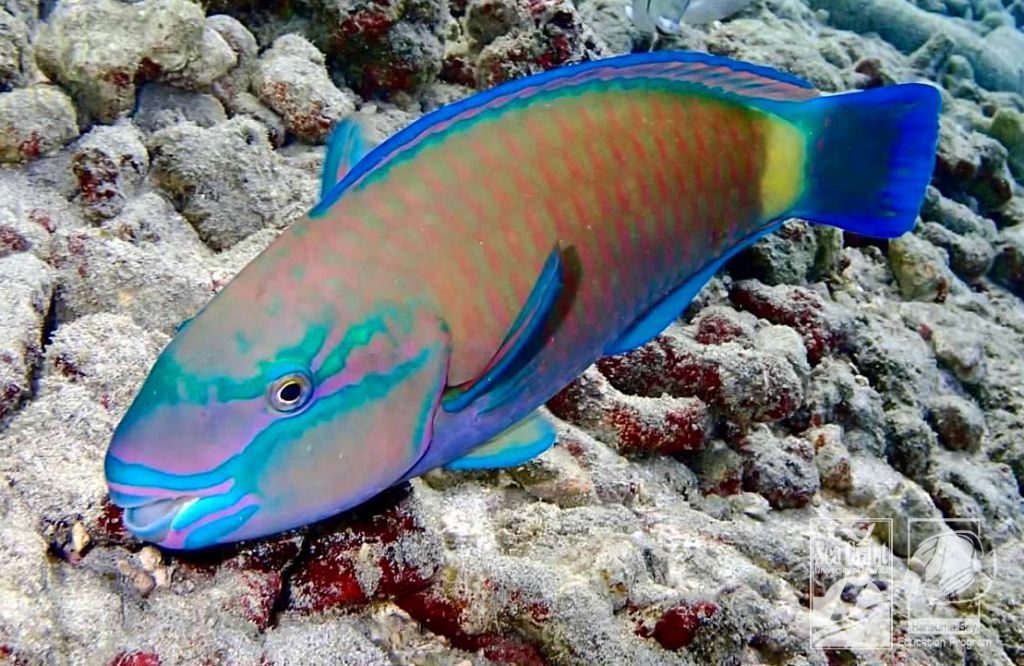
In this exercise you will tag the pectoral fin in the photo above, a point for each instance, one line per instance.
(521, 343)
(525, 440)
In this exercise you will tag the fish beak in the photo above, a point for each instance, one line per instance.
(152, 520)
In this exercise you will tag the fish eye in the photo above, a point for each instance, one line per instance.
(290, 392)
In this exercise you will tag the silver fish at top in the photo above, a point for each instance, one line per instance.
(661, 17)
(657, 16)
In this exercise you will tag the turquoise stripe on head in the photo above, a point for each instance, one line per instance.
(328, 414)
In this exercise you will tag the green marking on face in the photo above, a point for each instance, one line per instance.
(299, 272)
(358, 335)
(276, 306)
(303, 351)
(243, 343)
(170, 384)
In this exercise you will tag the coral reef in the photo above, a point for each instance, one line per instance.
(153, 150)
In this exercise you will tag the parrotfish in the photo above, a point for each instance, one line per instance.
(454, 277)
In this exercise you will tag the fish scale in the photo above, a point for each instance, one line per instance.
(622, 166)
(626, 165)
(455, 277)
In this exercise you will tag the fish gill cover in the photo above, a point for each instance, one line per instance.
(153, 149)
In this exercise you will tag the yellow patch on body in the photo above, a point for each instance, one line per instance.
(782, 181)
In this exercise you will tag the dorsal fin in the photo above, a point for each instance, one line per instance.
(679, 69)
(347, 143)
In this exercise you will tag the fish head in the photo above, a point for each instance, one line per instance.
(264, 414)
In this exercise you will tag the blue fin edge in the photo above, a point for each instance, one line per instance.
(651, 324)
(513, 453)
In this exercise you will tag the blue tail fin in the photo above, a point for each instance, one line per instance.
(870, 158)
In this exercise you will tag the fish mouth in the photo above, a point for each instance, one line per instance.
(154, 518)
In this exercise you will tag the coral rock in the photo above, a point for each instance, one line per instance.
(35, 121)
(831, 457)
(910, 443)
(13, 47)
(718, 324)
(920, 268)
(560, 38)
(26, 285)
(720, 469)
(100, 274)
(79, 353)
(109, 164)
(678, 626)
(978, 492)
(382, 555)
(291, 79)
(783, 472)
(385, 47)
(664, 425)
(823, 326)
(972, 163)
(958, 422)
(100, 50)
(227, 181)
(744, 385)
(161, 106)
(1008, 268)
(487, 20)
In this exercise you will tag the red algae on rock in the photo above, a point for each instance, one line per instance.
(264, 589)
(744, 385)
(823, 327)
(678, 626)
(444, 615)
(718, 324)
(379, 556)
(136, 659)
(109, 524)
(664, 425)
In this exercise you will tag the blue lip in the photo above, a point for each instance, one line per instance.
(214, 532)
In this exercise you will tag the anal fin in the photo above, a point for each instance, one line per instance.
(525, 440)
(649, 325)
(521, 343)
